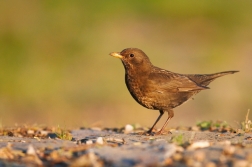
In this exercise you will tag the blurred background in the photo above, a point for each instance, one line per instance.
(55, 67)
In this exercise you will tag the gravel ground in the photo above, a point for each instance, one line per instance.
(110, 147)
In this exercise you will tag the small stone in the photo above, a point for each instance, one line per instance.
(10, 133)
(249, 157)
(89, 159)
(137, 143)
(199, 156)
(190, 162)
(240, 163)
(37, 138)
(225, 142)
(223, 159)
(177, 156)
(179, 149)
(168, 162)
(229, 150)
(210, 164)
(116, 140)
(158, 140)
(170, 150)
(44, 133)
(128, 128)
(31, 132)
(197, 164)
(89, 142)
(96, 128)
(195, 128)
(199, 144)
(31, 150)
(99, 140)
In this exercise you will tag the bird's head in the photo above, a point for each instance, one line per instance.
(133, 58)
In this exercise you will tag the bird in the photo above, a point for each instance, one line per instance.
(159, 89)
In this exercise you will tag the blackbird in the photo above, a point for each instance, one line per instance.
(159, 89)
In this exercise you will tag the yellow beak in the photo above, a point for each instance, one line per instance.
(116, 54)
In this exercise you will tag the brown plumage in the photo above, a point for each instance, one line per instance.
(159, 89)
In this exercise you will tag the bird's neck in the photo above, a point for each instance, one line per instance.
(138, 72)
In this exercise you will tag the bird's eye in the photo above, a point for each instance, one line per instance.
(131, 55)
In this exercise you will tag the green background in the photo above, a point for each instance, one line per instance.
(55, 67)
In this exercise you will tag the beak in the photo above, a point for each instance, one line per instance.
(116, 54)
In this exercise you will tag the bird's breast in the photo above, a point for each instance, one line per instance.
(137, 89)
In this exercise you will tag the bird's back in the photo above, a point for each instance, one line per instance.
(169, 90)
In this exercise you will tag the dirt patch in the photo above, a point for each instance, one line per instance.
(113, 147)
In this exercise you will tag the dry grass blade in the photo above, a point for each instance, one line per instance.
(247, 125)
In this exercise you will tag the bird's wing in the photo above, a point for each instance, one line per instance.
(173, 82)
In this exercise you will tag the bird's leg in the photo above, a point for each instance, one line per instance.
(161, 113)
(170, 115)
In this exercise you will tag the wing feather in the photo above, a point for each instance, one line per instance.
(173, 82)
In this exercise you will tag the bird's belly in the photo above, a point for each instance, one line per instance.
(167, 101)
(157, 101)
(149, 100)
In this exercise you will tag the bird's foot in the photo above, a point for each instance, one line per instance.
(163, 133)
(158, 133)
(151, 133)
(148, 133)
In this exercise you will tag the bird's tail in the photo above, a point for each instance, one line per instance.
(219, 74)
(206, 79)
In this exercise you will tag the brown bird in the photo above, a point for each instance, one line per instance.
(159, 89)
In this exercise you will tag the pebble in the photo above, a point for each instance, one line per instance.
(195, 128)
(190, 162)
(31, 150)
(180, 149)
(116, 140)
(44, 133)
(240, 163)
(30, 131)
(168, 162)
(89, 142)
(199, 156)
(225, 143)
(137, 143)
(96, 128)
(99, 140)
(128, 129)
(210, 164)
(229, 150)
(177, 156)
(199, 144)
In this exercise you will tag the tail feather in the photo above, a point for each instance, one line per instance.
(206, 79)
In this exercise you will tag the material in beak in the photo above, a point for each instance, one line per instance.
(116, 54)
